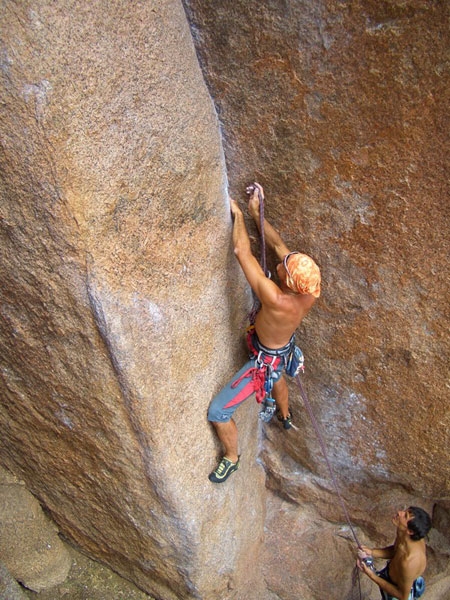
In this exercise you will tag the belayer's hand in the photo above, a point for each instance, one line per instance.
(364, 568)
(364, 552)
(359, 564)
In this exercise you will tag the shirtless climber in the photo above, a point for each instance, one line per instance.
(401, 578)
(270, 338)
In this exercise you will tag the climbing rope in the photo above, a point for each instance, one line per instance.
(252, 316)
(262, 235)
(324, 452)
(355, 573)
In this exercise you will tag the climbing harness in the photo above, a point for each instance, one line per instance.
(266, 366)
(269, 361)
(252, 316)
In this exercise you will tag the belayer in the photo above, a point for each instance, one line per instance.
(270, 337)
(401, 578)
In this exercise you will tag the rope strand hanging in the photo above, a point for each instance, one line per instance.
(252, 316)
(324, 452)
(355, 574)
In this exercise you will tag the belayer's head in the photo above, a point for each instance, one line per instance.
(419, 523)
(302, 274)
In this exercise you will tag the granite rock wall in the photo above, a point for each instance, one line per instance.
(122, 305)
(115, 241)
(340, 110)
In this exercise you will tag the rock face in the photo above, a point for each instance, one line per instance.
(115, 261)
(122, 304)
(9, 588)
(29, 544)
(340, 111)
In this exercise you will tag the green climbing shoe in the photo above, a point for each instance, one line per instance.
(287, 421)
(224, 470)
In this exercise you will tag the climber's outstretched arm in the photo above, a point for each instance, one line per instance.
(266, 290)
(272, 237)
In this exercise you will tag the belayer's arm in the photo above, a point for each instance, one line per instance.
(400, 591)
(387, 552)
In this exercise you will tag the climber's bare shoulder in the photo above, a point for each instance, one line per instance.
(278, 319)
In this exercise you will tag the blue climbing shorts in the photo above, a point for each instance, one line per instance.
(417, 589)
